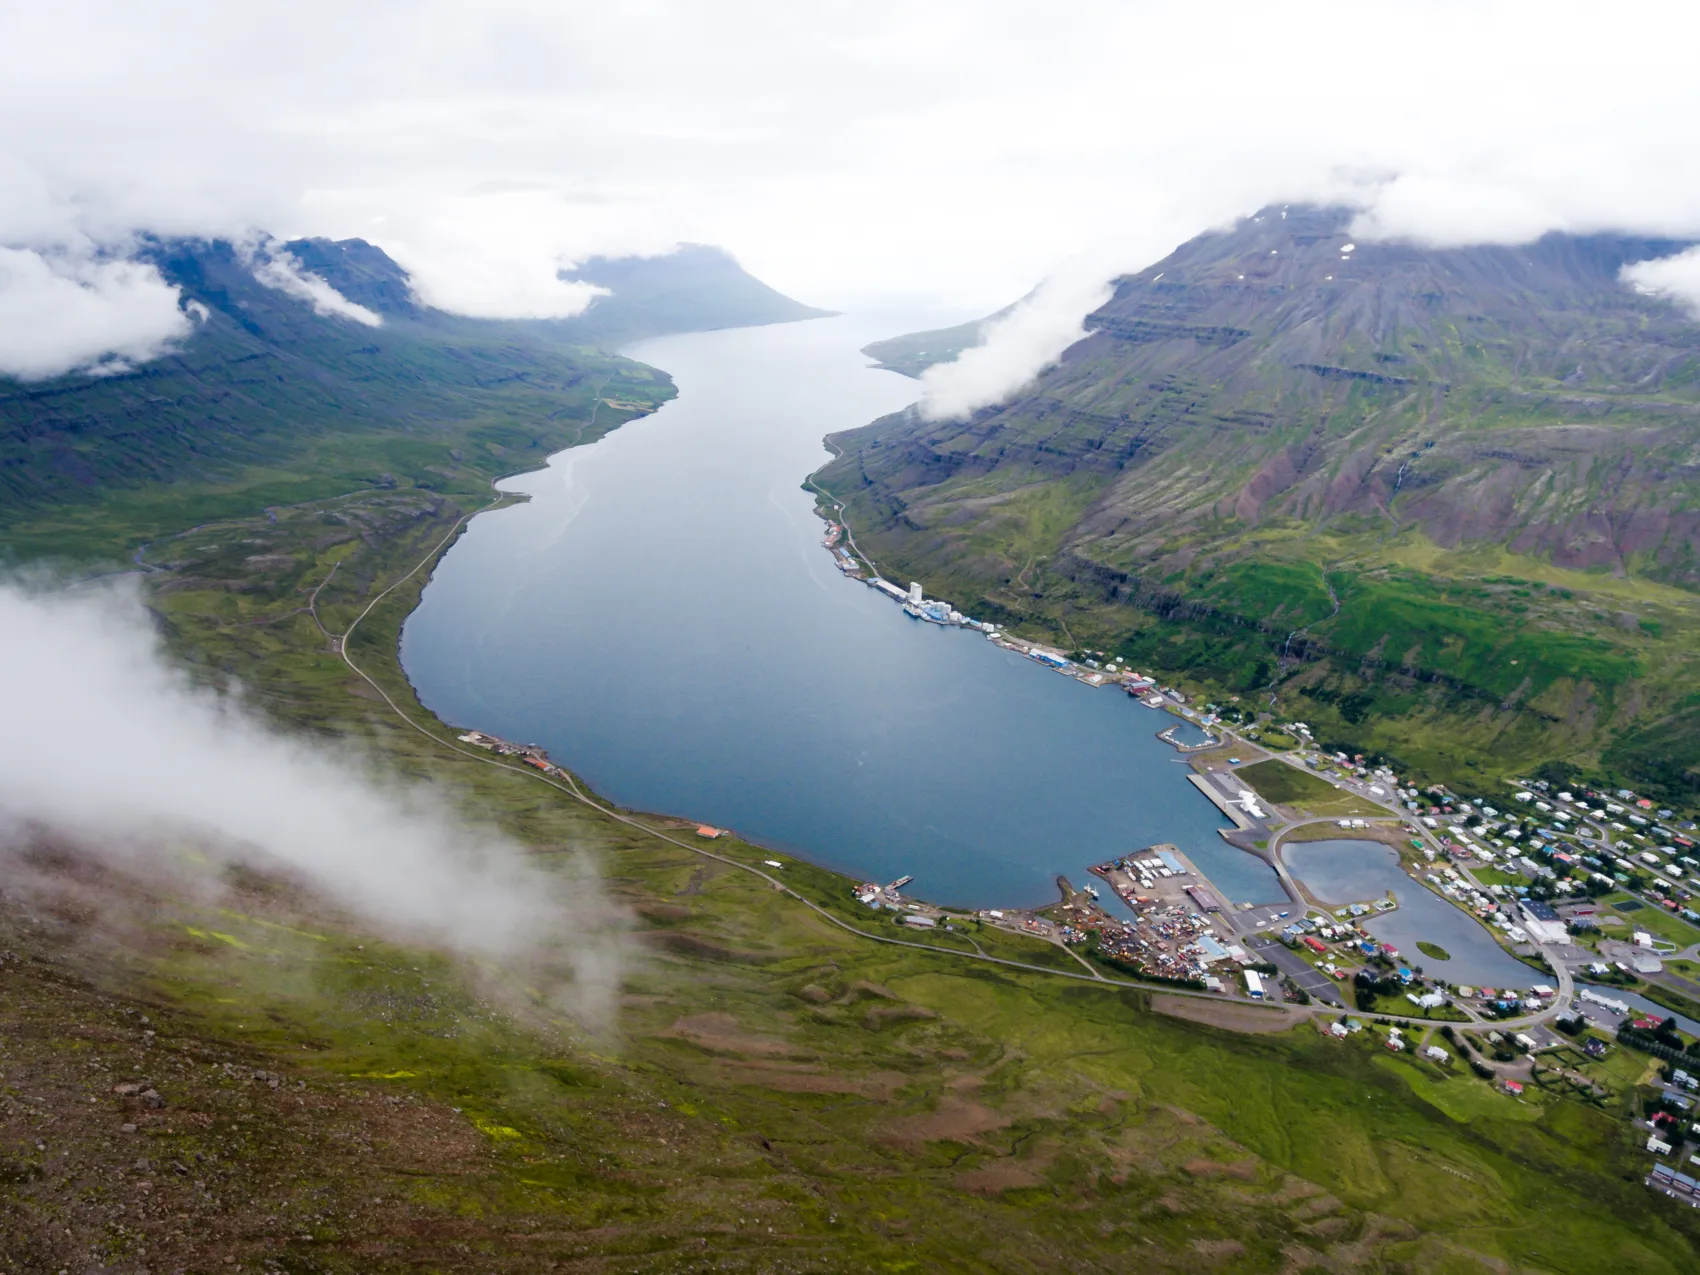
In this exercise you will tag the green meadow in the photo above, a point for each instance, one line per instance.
(767, 1091)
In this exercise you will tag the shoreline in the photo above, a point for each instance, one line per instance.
(541, 768)
(1244, 813)
(561, 779)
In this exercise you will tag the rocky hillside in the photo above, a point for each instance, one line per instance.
(1430, 484)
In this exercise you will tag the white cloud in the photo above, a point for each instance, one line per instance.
(1674, 278)
(495, 254)
(942, 149)
(108, 745)
(1017, 347)
(60, 312)
(276, 268)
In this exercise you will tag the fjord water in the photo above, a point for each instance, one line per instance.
(661, 616)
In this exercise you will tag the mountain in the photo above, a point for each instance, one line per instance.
(915, 352)
(1444, 502)
(694, 288)
(211, 1066)
(270, 401)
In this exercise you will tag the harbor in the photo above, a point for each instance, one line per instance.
(1180, 929)
(915, 604)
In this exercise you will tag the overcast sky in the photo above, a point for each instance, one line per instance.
(928, 150)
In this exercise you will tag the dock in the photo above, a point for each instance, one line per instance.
(1205, 745)
(1179, 928)
(1221, 802)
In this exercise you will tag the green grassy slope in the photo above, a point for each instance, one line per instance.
(1440, 503)
(270, 403)
(776, 1095)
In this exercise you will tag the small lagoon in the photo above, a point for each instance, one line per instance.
(1341, 872)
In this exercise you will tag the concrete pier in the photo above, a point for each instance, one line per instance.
(1220, 801)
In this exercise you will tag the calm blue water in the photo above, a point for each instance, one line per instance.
(1357, 871)
(661, 616)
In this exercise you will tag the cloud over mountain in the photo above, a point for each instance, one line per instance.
(938, 149)
(61, 311)
(110, 747)
(275, 267)
(1017, 347)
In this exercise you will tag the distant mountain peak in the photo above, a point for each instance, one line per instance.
(693, 288)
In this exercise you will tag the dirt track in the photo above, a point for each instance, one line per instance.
(1239, 1018)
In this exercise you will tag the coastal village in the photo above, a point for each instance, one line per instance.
(1591, 891)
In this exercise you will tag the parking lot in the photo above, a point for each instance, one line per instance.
(1312, 980)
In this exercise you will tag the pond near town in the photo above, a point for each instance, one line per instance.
(662, 617)
(1340, 872)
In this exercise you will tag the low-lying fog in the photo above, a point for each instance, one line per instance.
(109, 747)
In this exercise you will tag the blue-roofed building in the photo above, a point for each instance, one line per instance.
(1212, 950)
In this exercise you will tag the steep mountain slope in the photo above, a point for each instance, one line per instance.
(1452, 496)
(271, 401)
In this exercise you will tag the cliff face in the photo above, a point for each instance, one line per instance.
(1274, 395)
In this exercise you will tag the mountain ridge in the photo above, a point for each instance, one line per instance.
(694, 288)
(1264, 402)
(265, 377)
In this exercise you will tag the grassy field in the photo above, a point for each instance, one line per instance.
(772, 1093)
(1289, 786)
(1493, 876)
(1653, 919)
